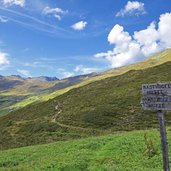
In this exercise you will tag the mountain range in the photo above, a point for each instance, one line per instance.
(15, 90)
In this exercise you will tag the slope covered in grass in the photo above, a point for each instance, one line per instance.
(17, 92)
(52, 89)
(120, 152)
(105, 106)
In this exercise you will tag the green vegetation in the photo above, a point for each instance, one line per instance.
(6, 101)
(14, 89)
(102, 107)
(119, 152)
(39, 98)
(38, 91)
(33, 90)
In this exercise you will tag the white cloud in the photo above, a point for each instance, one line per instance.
(25, 73)
(78, 70)
(150, 32)
(14, 2)
(55, 12)
(3, 60)
(67, 74)
(148, 40)
(132, 8)
(125, 50)
(3, 19)
(165, 29)
(123, 37)
(129, 49)
(31, 22)
(79, 25)
(85, 70)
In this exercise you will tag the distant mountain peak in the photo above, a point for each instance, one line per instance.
(45, 78)
(17, 76)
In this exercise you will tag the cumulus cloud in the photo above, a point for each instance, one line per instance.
(79, 25)
(148, 40)
(3, 60)
(85, 70)
(3, 19)
(129, 49)
(55, 12)
(132, 8)
(165, 29)
(20, 3)
(25, 73)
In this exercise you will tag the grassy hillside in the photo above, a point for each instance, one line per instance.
(16, 85)
(99, 108)
(19, 92)
(14, 89)
(39, 91)
(6, 101)
(119, 152)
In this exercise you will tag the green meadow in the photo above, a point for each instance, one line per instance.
(137, 150)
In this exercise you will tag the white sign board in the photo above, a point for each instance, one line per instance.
(156, 106)
(156, 89)
(156, 96)
(155, 99)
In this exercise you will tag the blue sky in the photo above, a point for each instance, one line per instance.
(70, 37)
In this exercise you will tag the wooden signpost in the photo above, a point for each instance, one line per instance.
(157, 97)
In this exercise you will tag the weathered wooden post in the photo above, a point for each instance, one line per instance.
(163, 137)
(158, 97)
